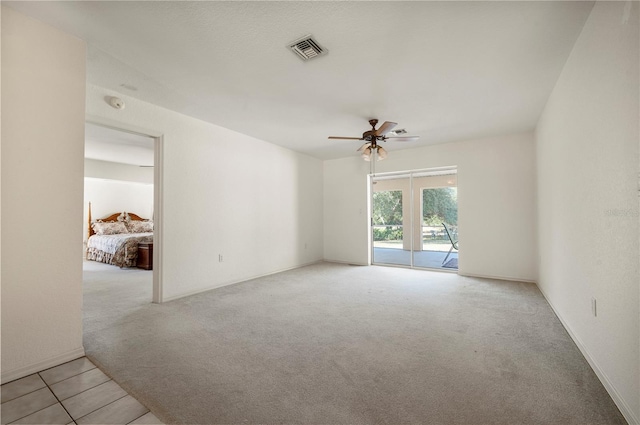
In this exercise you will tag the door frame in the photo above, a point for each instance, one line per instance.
(410, 174)
(158, 190)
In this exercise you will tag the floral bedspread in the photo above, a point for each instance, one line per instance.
(120, 250)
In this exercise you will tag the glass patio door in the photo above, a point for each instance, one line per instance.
(439, 228)
(414, 219)
(391, 221)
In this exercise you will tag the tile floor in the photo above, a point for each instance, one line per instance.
(76, 392)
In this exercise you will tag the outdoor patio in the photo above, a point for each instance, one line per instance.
(386, 253)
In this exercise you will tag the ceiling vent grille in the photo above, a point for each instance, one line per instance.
(307, 48)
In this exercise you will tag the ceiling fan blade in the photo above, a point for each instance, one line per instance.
(363, 146)
(344, 138)
(403, 139)
(385, 128)
(397, 132)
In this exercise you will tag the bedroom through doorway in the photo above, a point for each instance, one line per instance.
(120, 221)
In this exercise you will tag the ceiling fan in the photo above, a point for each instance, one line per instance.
(373, 137)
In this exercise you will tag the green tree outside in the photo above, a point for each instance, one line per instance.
(387, 211)
(387, 207)
(440, 205)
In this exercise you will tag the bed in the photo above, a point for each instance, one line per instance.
(115, 238)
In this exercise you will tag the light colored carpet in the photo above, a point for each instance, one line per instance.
(338, 344)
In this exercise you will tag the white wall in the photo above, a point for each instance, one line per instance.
(110, 196)
(496, 203)
(346, 214)
(42, 161)
(587, 155)
(256, 204)
(112, 187)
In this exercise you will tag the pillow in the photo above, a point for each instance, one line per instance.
(124, 217)
(114, 228)
(136, 226)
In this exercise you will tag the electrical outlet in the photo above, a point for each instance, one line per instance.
(220, 258)
(594, 307)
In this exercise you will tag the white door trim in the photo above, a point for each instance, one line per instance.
(158, 185)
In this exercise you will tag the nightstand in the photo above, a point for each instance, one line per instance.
(145, 256)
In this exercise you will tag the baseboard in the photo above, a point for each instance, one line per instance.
(350, 263)
(199, 291)
(626, 411)
(12, 375)
(513, 279)
(484, 276)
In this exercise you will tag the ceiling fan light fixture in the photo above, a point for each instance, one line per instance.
(374, 137)
(363, 146)
(366, 153)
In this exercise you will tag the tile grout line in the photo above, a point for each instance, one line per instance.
(74, 420)
(148, 411)
(47, 387)
(85, 390)
(54, 394)
(66, 379)
(127, 394)
(30, 392)
(69, 413)
(46, 407)
(110, 380)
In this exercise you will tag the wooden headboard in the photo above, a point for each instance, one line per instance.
(110, 219)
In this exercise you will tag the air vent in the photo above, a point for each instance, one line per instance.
(307, 48)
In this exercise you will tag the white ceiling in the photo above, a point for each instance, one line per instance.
(445, 71)
(106, 144)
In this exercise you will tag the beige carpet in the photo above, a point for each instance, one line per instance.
(337, 344)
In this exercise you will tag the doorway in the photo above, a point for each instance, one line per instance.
(122, 177)
(414, 219)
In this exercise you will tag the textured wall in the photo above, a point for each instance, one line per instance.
(43, 94)
(496, 206)
(587, 159)
(256, 204)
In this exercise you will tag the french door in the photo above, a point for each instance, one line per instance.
(414, 219)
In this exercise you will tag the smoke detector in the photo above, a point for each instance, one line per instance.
(116, 102)
(307, 48)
